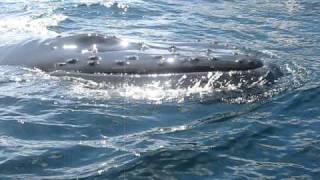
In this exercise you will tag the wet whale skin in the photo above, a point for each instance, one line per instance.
(108, 58)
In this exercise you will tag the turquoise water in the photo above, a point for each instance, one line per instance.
(64, 128)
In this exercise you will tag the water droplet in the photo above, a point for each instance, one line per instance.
(70, 46)
(94, 49)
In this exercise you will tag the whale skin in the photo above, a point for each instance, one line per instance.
(114, 60)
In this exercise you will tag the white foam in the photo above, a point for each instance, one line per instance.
(14, 29)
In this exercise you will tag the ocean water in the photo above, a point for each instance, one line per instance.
(66, 128)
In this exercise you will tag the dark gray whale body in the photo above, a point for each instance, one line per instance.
(113, 60)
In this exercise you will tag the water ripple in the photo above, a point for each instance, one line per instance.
(65, 128)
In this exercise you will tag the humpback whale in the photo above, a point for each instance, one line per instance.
(113, 60)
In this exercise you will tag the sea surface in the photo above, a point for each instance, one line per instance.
(66, 128)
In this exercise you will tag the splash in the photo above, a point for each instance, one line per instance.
(157, 92)
(18, 28)
(107, 3)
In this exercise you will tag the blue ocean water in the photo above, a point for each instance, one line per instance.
(65, 128)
